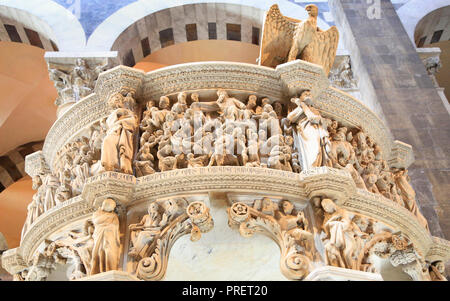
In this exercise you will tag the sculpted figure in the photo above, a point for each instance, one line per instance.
(38, 197)
(51, 184)
(81, 169)
(223, 149)
(251, 104)
(259, 109)
(82, 244)
(437, 271)
(147, 125)
(269, 121)
(180, 106)
(167, 161)
(253, 151)
(341, 231)
(285, 39)
(145, 161)
(409, 195)
(370, 177)
(279, 156)
(229, 106)
(296, 226)
(117, 147)
(310, 138)
(193, 161)
(106, 248)
(143, 233)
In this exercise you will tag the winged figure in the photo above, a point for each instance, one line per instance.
(286, 39)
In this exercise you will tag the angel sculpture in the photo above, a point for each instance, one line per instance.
(285, 39)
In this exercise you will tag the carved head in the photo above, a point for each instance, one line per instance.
(312, 10)
(222, 93)
(88, 228)
(287, 207)
(150, 104)
(37, 182)
(194, 97)
(440, 266)
(278, 108)
(80, 62)
(116, 101)
(289, 140)
(153, 208)
(164, 102)
(306, 97)
(328, 205)
(251, 101)
(171, 206)
(182, 97)
(267, 204)
(265, 101)
(108, 205)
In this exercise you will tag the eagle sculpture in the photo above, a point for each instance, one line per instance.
(285, 39)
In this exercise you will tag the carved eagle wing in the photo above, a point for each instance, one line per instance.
(278, 32)
(322, 49)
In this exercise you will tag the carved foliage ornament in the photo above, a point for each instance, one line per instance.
(289, 231)
(155, 235)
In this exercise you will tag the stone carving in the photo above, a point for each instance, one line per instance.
(285, 39)
(342, 77)
(153, 237)
(400, 252)
(311, 137)
(289, 229)
(117, 148)
(437, 271)
(252, 134)
(341, 236)
(433, 65)
(106, 239)
(75, 81)
(408, 195)
(45, 262)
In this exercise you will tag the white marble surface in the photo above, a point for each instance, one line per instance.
(222, 254)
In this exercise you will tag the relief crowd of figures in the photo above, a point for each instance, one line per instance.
(225, 132)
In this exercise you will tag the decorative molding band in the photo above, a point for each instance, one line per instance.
(220, 178)
(213, 75)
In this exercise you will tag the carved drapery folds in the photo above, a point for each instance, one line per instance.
(288, 228)
(155, 235)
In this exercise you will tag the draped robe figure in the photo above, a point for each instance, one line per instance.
(117, 147)
(51, 184)
(310, 138)
(106, 249)
(409, 195)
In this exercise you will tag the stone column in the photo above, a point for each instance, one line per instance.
(75, 74)
(386, 60)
